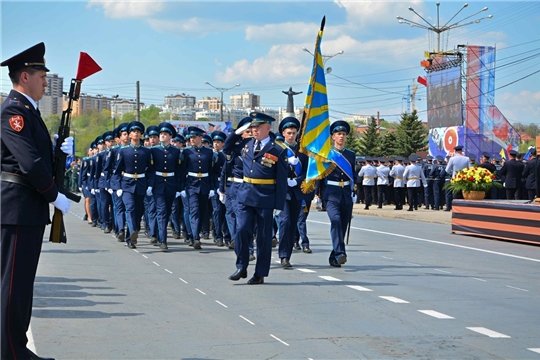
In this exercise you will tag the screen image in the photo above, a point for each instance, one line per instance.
(444, 98)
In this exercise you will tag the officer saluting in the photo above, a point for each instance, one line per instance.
(27, 166)
(263, 190)
(339, 195)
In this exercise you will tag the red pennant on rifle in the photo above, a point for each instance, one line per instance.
(87, 66)
(422, 80)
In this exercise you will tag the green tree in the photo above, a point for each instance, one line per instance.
(52, 122)
(388, 144)
(369, 142)
(150, 115)
(353, 142)
(411, 135)
(128, 117)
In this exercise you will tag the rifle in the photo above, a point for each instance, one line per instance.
(87, 66)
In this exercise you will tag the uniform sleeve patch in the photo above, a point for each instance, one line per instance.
(16, 122)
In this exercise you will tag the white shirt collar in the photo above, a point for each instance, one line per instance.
(264, 141)
(29, 99)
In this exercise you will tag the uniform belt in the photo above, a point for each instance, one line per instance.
(413, 178)
(16, 179)
(259, 181)
(398, 178)
(198, 175)
(233, 179)
(164, 174)
(87, 174)
(338, 183)
(369, 178)
(102, 174)
(134, 176)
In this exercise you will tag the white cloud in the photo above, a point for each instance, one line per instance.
(521, 107)
(128, 9)
(279, 62)
(289, 31)
(195, 26)
(374, 13)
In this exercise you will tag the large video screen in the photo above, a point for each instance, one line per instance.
(444, 98)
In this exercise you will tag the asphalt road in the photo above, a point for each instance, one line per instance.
(409, 290)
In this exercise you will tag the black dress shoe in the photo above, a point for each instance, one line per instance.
(342, 259)
(285, 263)
(163, 246)
(32, 356)
(409, 209)
(252, 257)
(121, 237)
(307, 250)
(231, 245)
(334, 263)
(85, 217)
(255, 280)
(238, 274)
(366, 208)
(153, 240)
(220, 243)
(297, 246)
(274, 242)
(131, 245)
(197, 244)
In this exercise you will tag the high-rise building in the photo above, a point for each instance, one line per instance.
(246, 100)
(88, 103)
(120, 107)
(52, 101)
(179, 101)
(209, 103)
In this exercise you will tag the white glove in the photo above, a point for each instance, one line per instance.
(354, 198)
(222, 198)
(243, 128)
(80, 189)
(177, 194)
(93, 192)
(276, 212)
(62, 203)
(119, 192)
(149, 191)
(67, 146)
(293, 160)
(183, 193)
(292, 182)
(211, 194)
(110, 191)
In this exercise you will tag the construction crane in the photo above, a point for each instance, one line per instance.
(411, 97)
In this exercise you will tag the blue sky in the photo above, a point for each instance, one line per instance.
(174, 47)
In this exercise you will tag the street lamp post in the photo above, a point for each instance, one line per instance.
(325, 57)
(221, 90)
(115, 97)
(440, 29)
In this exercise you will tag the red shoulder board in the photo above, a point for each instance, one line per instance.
(16, 122)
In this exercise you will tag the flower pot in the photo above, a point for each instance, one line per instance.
(474, 195)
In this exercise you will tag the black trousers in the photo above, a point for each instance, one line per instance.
(399, 197)
(412, 196)
(21, 247)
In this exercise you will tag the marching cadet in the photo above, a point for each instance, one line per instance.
(106, 200)
(296, 165)
(185, 204)
(27, 189)
(428, 193)
(263, 190)
(95, 171)
(437, 173)
(382, 171)
(150, 212)
(165, 184)
(113, 182)
(206, 215)
(134, 167)
(83, 186)
(397, 173)
(197, 182)
(368, 173)
(90, 184)
(233, 176)
(177, 211)
(221, 229)
(412, 176)
(339, 194)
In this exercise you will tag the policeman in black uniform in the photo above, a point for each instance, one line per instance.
(27, 188)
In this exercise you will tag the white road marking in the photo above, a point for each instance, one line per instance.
(386, 257)
(200, 291)
(443, 271)
(435, 242)
(155, 263)
(30, 344)
(136, 250)
(144, 256)
(306, 270)
(479, 279)
(536, 350)
(487, 332)
(170, 272)
(435, 314)
(359, 288)
(184, 281)
(394, 299)
(222, 304)
(249, 321)
(329, 278)
(413, 264)
(278, 339)
(513, 287)
(326, 242)
(365, 252)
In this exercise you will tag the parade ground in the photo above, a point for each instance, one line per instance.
(409, 290)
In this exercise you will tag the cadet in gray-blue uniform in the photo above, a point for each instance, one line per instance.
(368, 173)
(340, 195)
(177, 212)
(221, 229)
(383, 173)
(150, 212)
(198, 181)
(165, 185)
(134, 167)
(263, 190)
(105, 196)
